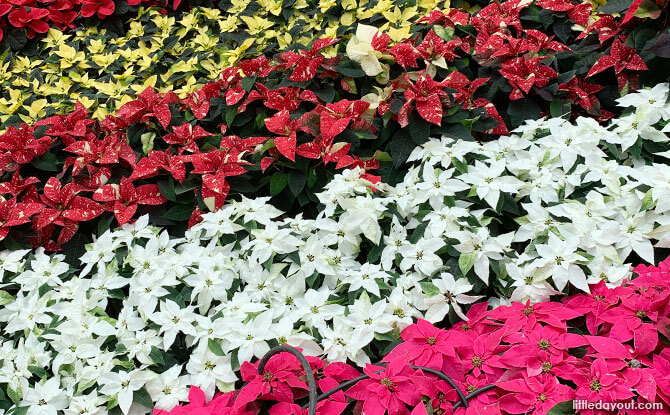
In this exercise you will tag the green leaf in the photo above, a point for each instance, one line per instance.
(181, 188)
(374, 253)
(636, 149)
(14, 395)
(234, 361)
(277, 183)
(446, 33)
(147, 140)
(466, 261)
(156, 356)
(429, 288)
(389, 337)
(563, 408)
(382, 156)
(351, 69)
(615, 6)
(559, 108)
(126, 364)
(37, 371)
(419, 129)
(662, 46)
(15, 38)
(521, 110)
(311, 177)
(142, 397)
(418, 233)
(215, 347)
(647, 203)
(248, 82)
(166, 188)
(5, 297)
(46, 162)
(178, 213)
(82, 386)
(325, 92)
(401, 147)
(231, 112)
(460, 166)
(105, 222)
(296, 182)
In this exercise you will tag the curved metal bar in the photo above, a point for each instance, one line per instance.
(447, 379)
(341, 386)
(311, 380)
(475, 393)
(440, 375)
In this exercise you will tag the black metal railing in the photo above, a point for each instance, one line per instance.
(314, 397)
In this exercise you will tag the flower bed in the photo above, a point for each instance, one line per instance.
(185, 191)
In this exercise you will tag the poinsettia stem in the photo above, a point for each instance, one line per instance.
(475, 393)
(461, 395)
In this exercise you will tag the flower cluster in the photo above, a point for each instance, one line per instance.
(145, 315)
(538, 356)
(26, 19)
(179, 52)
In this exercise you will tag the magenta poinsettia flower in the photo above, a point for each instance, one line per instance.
(632, 320)
(424, 345)
(532, 350)
(519, 315)
(388, 390)
(537, 394)
(334, 374)
(325, 407)
(476, 320)
(597, 302)
(484, 354)
(604, 383)
(442, 395)
(275, 383)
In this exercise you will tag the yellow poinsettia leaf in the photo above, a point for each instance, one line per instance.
(238, 6)
(398, 34)
(347, 19)
(100, 113)
(150, 81)
(210, 14)
(256, 24)
(324, 5)
(229, 24)
(36, 109)
(272, 6)
(85, 101)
